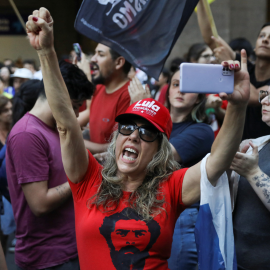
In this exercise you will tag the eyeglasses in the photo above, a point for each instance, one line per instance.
(208, 56)
(263, 94)
(146, 132)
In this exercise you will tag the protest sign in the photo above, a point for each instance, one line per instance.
(143, 31)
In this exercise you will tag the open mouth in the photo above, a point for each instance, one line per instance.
(129, 253)
(94, 68)
(130, 154)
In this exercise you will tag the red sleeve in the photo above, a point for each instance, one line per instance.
(224, 104)
(92, 178)
(175, 183)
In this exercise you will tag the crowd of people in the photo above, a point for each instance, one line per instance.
(98, 158)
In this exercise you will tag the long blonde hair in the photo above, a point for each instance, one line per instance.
(148, 199)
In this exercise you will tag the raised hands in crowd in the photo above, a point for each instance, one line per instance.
(132, 153)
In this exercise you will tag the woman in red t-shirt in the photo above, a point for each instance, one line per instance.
(126, 212)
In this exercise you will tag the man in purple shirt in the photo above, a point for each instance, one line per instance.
(39, 191)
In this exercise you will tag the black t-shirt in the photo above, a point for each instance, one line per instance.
(252, 223)
(254, 126)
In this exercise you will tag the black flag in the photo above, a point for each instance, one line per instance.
(143, 31)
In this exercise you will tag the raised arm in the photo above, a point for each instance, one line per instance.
(219, 46)
(74, 154)
(205, 26)
(247, 166)
(229, 137)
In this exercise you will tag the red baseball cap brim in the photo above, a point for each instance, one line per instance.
(126, 116)
(152, 111)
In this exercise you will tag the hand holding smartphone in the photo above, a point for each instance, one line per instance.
(206, 79)
(78, 51)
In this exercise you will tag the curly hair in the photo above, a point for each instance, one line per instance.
(147, 200)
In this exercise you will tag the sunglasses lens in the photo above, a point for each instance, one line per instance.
(148, 134)
(262, 95)
(126, 129)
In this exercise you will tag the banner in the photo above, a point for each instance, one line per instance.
(143, 31)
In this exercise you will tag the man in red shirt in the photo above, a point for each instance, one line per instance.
(111, 97)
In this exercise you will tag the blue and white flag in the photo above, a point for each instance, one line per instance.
(143, 31)
(214, 228)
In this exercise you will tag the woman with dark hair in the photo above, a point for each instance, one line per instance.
(140, 192)
(200, 53)
(191, 139)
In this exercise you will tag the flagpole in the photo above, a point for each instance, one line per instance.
(210, 18)
(18, 14)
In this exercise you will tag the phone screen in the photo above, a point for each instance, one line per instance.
(77, 50)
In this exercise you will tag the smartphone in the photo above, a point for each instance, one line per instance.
(205, 78)
(78, 51)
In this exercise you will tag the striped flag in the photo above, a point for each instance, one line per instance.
(214, 228)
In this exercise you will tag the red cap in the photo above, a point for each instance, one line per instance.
(153, 111)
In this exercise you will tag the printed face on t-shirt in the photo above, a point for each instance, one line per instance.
(129, 238)
(132, 233)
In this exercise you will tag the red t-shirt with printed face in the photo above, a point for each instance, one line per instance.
(104, 108)
(122, 240)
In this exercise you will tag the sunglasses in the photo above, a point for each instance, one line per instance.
(263, 94)
(146, 132)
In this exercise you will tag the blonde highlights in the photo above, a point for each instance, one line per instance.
(148, 199)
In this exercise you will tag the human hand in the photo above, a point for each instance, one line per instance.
(84, 65)
(240, 95)
(137, 92)
(244, 146)
(246, 165)
(39, 29)
(223, 51)
(213, 101)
